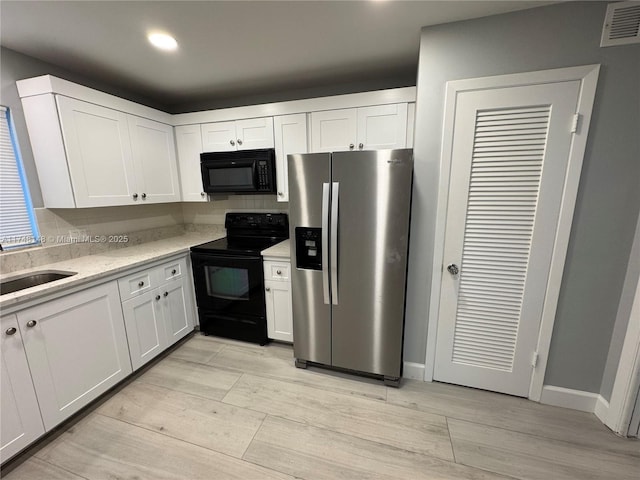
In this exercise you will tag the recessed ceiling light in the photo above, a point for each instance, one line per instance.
(163, 41)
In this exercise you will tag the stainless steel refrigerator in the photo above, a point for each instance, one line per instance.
(349, 228)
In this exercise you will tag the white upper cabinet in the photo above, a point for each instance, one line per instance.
(92, 149)
(98, 153)
(366, 128)
(189, 147)
(156, 172)
(290, 133)
(333, 130)
(244, 134)
(382, 126)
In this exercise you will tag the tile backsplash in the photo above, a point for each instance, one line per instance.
(62, 230)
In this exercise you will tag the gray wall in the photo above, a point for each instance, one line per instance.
(16, 66)
(608, 200)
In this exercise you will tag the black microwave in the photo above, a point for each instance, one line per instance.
(242, 171)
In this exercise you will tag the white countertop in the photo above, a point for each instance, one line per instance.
(93, 267)
(281, 250)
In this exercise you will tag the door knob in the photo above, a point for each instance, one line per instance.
(11, 331)
(232, 142)
(141, 284)
(202, 194)
(135, 196)
(174, 271)
(31, 323)
(157, 297)
(239, 142)
(144, 195)
(279, 272)
(351, 146)
(268, 289)
(361, 146)
(453, 269)
(165, 294)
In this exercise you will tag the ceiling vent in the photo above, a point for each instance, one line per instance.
(621, 24)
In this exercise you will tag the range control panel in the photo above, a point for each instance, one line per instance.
(309, 248)
(256, 220)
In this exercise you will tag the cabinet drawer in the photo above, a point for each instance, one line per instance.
(277, 271)
(172, 270)
(135, 284)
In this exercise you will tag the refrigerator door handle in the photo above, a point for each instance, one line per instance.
(325, 242)
(334, 242)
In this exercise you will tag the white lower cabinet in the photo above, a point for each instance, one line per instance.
(77, 349)
(278, 300)
(159, 316)
(145, 327)
(20, 421)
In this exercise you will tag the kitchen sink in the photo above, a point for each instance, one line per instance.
(21, 282)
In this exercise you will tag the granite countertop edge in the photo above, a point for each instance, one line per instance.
(93, 267)
(281, 250)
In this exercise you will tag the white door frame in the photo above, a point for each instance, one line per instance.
(625, 386)
(588, 76)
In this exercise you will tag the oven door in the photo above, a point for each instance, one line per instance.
(229, 285)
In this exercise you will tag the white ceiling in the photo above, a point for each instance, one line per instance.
(231, 48)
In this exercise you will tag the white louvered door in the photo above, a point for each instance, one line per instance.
(509, 158)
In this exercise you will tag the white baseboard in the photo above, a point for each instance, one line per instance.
(601, 409)
(414, 371)
(568, 398)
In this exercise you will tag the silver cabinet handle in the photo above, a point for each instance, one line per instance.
(335, 190)
(453, 269)
(31, 323)
(141, 283)
(11, 331)
(165, 294)
(202, 194)
(232, 142)
(280, 194)
(351, 146)
(144, 195)
(174, 271)
(361, 146)
(157, 297)
(239, 142)
(268, 289)
(279, 272)
(135, 196)
(326, 191)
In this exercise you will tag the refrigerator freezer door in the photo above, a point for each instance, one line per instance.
(373, 235)
(311, 315)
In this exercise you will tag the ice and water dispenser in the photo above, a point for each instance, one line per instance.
(309, 248)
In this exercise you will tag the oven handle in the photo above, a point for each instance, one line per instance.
(209, 256)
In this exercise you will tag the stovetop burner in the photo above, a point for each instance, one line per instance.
(248, 234)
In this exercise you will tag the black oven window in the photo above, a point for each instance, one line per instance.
(231, 177)
(227, 282)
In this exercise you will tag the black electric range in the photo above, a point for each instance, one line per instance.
(229, 279)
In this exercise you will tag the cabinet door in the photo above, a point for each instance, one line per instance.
(177, 309)
(154, 160)
(279, 310)
(189, 147)
(77, 349)
(382, 126)
(333, 130)
(20, 422)
(218, 136)
(254, 133)
(146, 332)
(98, 152)
(290, 137)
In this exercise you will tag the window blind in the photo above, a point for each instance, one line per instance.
(17, 223)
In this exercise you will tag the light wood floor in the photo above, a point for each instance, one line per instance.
(218, 409)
